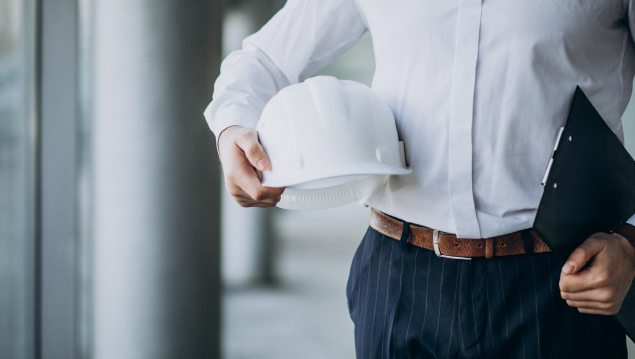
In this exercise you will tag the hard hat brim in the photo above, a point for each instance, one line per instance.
(336, 171)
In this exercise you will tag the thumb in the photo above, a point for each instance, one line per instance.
(254, 152)
(582, 255)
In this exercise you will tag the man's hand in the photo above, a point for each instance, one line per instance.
(242, 156)
(598, 274)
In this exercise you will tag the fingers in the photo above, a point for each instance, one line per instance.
(604, 301)
(251, 185)
(598, 311)
(583, 281)
(581, 255)
(246, 201)
(598, 301)
(601, 275)
(595, 307)
(599, 295)
(244, 186)
(241, 156)
(248, 142)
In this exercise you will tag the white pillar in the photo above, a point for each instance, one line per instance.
(156, 282)
(248, 241)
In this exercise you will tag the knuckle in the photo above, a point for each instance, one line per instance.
(596, 238)
(233, 191)
(602, 280)
(231, 188)
(583, 251)
(260, 196)
(245, 131)
(244, 201)
(230, 177)
(607, 296)
(563, 286)
(609, 310)
(247, 134)
(252, 150)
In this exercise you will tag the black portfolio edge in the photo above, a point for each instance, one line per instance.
(590, 188)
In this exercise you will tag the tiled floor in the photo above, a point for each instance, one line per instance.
(306, 316)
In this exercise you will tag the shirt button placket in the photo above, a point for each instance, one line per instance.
(461, 116)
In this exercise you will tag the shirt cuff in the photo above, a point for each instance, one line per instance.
(631, 220)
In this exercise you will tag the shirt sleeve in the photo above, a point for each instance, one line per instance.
(299, 40)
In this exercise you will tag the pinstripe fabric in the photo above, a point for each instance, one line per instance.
(417, 305)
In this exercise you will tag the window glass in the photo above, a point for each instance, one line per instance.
(17, 184)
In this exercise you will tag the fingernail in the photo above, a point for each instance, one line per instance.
(568, 267)
(262, 164)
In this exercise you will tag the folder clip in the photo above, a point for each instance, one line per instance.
(555, 147)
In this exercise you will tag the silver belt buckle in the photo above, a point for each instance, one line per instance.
(435, 243)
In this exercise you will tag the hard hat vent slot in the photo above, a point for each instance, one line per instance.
(338, 195)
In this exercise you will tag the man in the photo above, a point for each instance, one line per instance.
(479, 90)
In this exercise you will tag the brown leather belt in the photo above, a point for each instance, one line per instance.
(448, 245)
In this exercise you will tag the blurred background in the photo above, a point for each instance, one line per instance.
(117, 239)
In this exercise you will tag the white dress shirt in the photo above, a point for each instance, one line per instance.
(479, 89)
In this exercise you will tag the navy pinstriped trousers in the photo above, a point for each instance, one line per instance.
(414, 304)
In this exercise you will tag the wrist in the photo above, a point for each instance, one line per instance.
(226, 132)
(627, 232)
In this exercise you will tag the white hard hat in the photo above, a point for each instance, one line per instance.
(331, 142)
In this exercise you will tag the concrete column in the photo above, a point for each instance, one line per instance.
(248, 238)
(55, 259)
(156, 204)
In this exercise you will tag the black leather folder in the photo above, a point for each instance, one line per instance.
(589, 188)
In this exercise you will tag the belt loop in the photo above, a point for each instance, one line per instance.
(405, 234)
(489, 248)
(528, 243)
